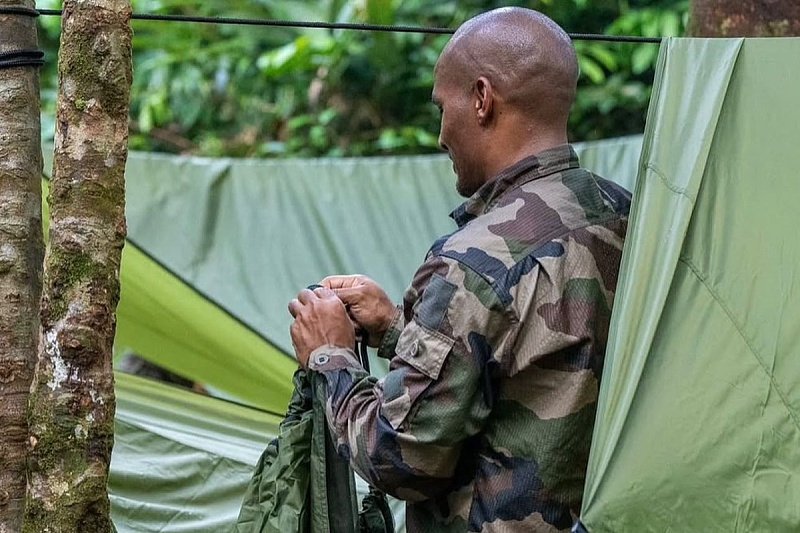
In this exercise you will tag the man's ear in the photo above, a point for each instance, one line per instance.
(483, 100)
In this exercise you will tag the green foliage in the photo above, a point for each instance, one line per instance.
(270, 92)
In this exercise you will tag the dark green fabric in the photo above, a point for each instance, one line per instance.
(300, 484)
(375, 516)
(333, 491)
(277, 497)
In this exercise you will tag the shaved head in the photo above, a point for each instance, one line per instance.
(504, 83)
(527, 57)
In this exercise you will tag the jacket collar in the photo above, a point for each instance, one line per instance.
(533, 167)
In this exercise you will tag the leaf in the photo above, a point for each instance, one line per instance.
(591, 70)
(300, 121)
(295, 55)
(318, 136)
(327, 116)
(425, 138)
(671, 24)
(389, 140)
(380, 12)
(643, 58)
(604, 56)
(145, 119)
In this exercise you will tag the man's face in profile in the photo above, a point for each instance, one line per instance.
(459, 132)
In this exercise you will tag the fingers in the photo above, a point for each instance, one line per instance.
(320, 318)
(306, 297)
(303, 298)
(350, 295)
(349, 289)
(343, 282)
(324, 293)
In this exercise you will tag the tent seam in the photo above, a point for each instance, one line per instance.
(206, 296)
(667, 184)
(686, 261)
(191, 447)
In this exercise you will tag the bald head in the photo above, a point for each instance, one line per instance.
(504, 84)
(528, 58)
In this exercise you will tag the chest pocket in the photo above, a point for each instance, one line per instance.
(423, 348)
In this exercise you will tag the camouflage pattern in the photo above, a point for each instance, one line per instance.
(485, 419)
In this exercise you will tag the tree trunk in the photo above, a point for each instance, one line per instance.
(744, 18)
(71, 410)
(21, 251)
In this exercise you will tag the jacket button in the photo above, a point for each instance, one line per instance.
(414, 348)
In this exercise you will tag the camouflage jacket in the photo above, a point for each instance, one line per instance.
(485, 418)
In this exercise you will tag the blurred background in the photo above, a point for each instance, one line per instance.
(243, 91)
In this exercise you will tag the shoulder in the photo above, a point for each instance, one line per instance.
(533, 224)
(442, 281)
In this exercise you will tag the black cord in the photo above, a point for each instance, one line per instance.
(19, 10)
(614, 38)
(21, 58)
(348, 26)
(362, 349)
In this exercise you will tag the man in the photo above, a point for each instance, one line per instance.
(485, 419)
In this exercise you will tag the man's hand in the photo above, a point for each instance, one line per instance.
(319, 318)
(368, 304)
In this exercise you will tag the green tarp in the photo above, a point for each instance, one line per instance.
(698, 427)
(181, 460)
(161, 317)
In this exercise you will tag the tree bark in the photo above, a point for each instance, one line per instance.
(744, 18)
(21, 251)
(71, 410)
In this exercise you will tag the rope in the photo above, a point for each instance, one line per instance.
(19, 10)
(21, 58)
(362, 349)
(349, 26)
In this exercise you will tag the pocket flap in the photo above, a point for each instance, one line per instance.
(423, 348)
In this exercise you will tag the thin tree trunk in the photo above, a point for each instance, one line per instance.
(21, 251)
(71, 409)
(744, 18)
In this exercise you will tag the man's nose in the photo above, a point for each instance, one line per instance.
(442, 145)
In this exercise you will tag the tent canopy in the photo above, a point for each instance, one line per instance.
(698, 425)
(181, 460)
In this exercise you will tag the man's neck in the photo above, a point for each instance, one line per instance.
(508, 151)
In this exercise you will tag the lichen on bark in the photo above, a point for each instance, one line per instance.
(21, 251)
(71, 409)
(744, 18)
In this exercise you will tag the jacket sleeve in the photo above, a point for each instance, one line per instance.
(393, 332)
(404, 433)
